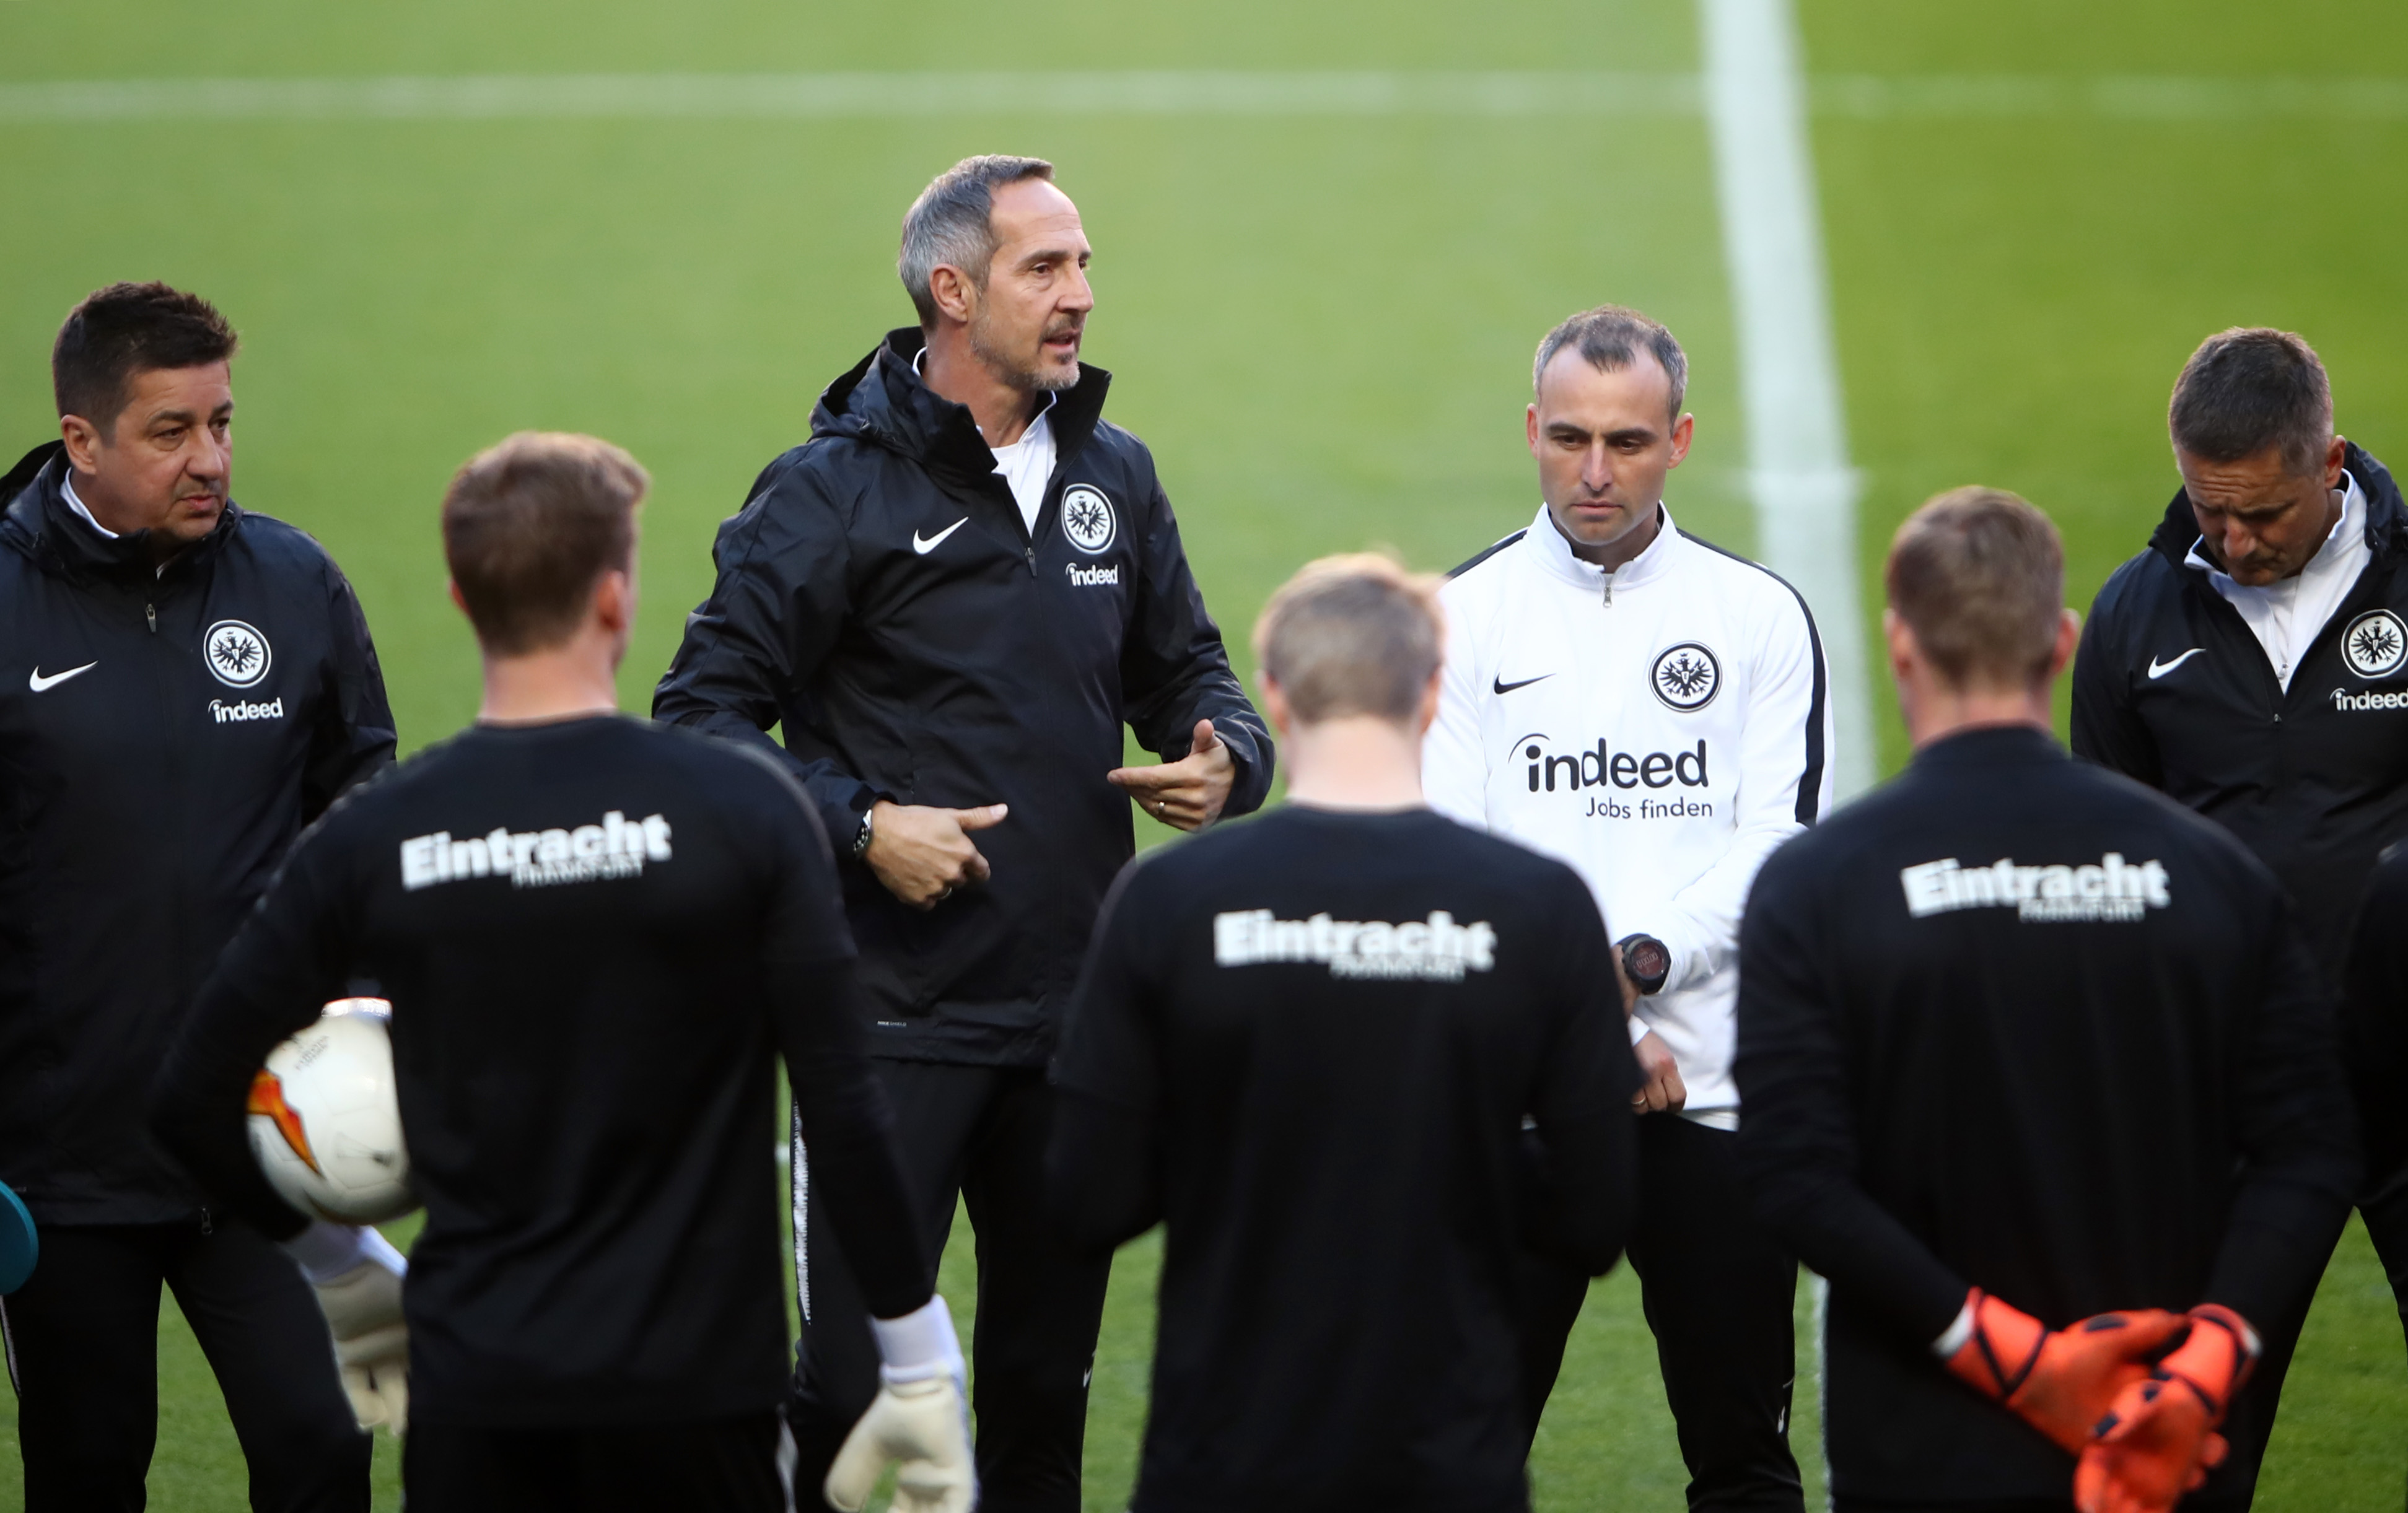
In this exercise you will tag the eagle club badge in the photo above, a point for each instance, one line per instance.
(1685, 677)
(2375, 645)
(238, 656)
(1088, 519)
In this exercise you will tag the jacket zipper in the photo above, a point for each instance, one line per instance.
(150, 613)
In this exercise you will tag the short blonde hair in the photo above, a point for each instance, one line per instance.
(1979, 576)
(1354, 634)
(530, 524)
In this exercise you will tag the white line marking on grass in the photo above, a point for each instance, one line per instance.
(814, 95)
(1805, 493)
(1174, 93)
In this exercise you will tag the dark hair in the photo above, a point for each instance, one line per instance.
(1979, 576)
(530, 524)
(1611, 338)
(2251, 388)
(952, 222)
(125, 329)
(1352, 635)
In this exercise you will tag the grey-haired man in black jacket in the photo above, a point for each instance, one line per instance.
(950, 599)
(183, 685)
(2253, 664)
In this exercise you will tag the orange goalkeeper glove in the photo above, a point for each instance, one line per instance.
(2158, 1441)
(2059, 1381)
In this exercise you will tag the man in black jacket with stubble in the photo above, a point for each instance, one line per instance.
(2253, 664)
(950, 599)
(183, 685)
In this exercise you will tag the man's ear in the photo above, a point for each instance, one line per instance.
(2336, 453)
(2069, 637)
(614, 601)
(453, 586)
(1899, 637)
(1684, 430)
(84, 440)
(1275, 705)
(955, 295)
(1531, 428)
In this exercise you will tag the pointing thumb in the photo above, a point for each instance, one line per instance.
(985, 816)
(1206, 737)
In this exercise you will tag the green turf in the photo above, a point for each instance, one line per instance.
(1322, 325)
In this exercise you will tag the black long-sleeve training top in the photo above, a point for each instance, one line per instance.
(164, 735)
(2171, 687)
(2016, 1022)
(881, 599)
(2374, 1041)
(1307, 1043)
(595, 935)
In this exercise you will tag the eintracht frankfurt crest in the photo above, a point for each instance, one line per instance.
(1685, 677)
(237, 653)
(1088, 519)
(2375, 645)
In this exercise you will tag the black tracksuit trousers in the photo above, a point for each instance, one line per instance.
(83, 1353)
(714, 1465)
(1720, 1295)
(979, 1132)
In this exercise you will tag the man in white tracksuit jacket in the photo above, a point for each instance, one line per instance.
(1653, 710)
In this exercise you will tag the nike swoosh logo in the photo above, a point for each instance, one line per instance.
(926, 544)
(40, 684)
(1503, 687)
(2158, 669)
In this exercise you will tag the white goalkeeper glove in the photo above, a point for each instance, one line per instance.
(357, 1275)
(918, 1422)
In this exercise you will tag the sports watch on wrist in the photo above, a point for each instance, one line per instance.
(1646, 961)
(861, 837)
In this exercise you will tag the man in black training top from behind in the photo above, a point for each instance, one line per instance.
(596, 933)
(2253, 664)
(951, 598)
(183, 685)
(2021, 1042)
(1307, 1045)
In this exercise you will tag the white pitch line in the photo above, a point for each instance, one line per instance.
(702, 96)
(1804, 490)
(1175, 92)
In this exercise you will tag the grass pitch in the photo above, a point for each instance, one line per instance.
(1322, 324)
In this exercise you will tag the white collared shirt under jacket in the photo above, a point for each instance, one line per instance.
(1660, 728)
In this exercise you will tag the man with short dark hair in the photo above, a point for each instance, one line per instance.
(2253, 663)
(1651, 709)
(1307, 1046)
(596, 933)
(951, 599)
(2021, 1042)
(183, 685)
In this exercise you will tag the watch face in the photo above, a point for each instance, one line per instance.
(1646, 961)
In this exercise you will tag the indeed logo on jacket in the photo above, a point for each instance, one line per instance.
(1662, 728)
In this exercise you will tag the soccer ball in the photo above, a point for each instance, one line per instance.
(325, 1123)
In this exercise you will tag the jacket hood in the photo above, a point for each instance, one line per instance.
(2387, 518)
(37, 522)
(880, 400)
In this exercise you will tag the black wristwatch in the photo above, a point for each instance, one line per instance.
(861, 837)
(1646, 961)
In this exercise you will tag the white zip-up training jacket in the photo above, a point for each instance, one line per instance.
(1660, 728)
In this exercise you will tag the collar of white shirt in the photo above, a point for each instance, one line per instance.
(1042, 404)
(1650, 565)
(2287, 615)
(75, 502)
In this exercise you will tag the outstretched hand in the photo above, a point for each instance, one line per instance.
(1187, 793)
